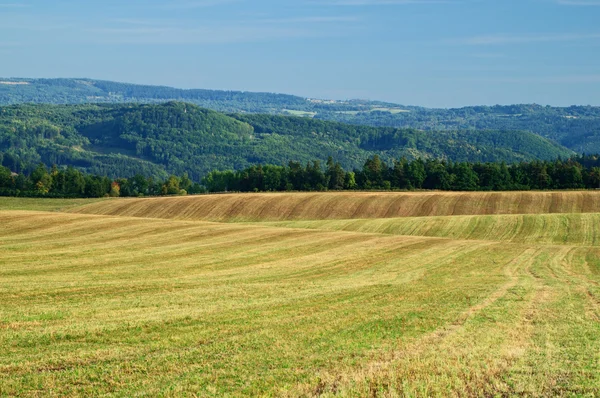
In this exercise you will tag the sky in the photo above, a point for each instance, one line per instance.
(435, 53)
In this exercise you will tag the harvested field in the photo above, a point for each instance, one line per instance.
(346, 205)
(556, 229)
(464, 305)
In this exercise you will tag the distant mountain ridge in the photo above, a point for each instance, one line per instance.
(576, 127)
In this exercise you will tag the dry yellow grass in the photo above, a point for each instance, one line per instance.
(557, 229)
(346, 205)
(480, 305)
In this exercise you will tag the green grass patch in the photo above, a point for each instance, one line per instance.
(42, 204)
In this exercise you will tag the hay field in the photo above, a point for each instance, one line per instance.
(346, 205)
(145, 302)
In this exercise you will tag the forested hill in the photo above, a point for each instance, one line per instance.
(577, 127)
(175, 137)
(84, 91)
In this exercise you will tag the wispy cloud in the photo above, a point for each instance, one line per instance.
(216, 34)
(14, 5)
(381, 2)
(578, 2)
(522, 39)
(191, 4)
(564, 79)
(489, 55)
(307, 20)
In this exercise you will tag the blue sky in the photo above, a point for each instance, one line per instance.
(438, 53)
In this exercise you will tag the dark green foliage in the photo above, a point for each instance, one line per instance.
(71, 183)
(177, 138)
(576, 173)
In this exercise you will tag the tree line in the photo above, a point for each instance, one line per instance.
(72, 183)
(582, 172)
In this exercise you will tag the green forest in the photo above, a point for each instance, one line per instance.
(158, 140)
(581, 172)
(576, 128)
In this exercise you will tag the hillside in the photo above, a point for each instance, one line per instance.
(345, 205)
(576, 127)
(157, 139)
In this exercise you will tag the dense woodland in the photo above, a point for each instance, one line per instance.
(69, 182)
(575, 173)
(158, 140)
(577, 127)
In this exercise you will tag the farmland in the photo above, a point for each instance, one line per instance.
(302, 294)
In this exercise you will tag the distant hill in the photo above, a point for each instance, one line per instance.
(577, 127)
(175, 137)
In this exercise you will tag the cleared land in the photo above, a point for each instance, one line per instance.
(346, 205)
(468, 305)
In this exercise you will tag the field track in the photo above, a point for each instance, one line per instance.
(329, 295)
(346, 205)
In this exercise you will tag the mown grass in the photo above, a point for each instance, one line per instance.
(346, 205)
(42, 204)
(123, 306)
(570, 229)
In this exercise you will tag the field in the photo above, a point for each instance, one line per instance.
(334, 294)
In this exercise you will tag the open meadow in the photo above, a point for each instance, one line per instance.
(302, 294)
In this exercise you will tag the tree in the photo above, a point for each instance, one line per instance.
(416, 173)
(336, 175)
(437, 176)
(6, 180)
(399, 174)
(595, 177)
(350, 181)
(41, 179)
(373, 172)
(115, 190)
(171, 186)
(465, 178)
(75, 182)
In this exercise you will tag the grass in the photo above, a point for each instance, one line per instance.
(346, 205)
(468, 305)
(556, 229)
(8, 203)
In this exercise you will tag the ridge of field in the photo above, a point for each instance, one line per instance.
(345, 205)
(553, 229)
(103, 305)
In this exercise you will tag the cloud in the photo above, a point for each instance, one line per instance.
(216, 34)
(380, 2)
(489, 55)
(306, 20)
(564, 79)
(14, 5)
(578, 2)
(523, 39)
(191, 4)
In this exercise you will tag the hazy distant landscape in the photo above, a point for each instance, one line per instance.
(576, 128)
